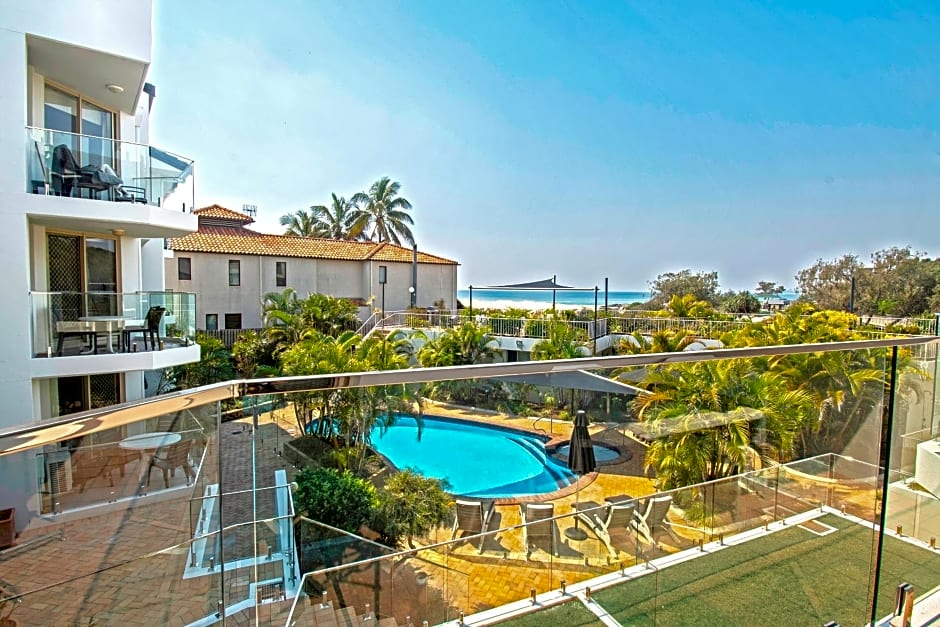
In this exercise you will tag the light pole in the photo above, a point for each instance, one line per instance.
(411, 291)
(383, 279)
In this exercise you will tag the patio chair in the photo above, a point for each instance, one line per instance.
(651, 519)
(617, 515)
(151, 327)
(65, 171)
(473, 517)
(169, 458)
(73, 328)
(540, 526)
(88, 465)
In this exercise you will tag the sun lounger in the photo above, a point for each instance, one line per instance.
(651, 519)
(473, 517)
(540, 526)
(616, 515)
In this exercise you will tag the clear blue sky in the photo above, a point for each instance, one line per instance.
(583, 139)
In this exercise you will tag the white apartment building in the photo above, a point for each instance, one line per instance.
(232, 267)
(86, 203)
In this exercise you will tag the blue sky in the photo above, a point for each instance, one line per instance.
(584, 140)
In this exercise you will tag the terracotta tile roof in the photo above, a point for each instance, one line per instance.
(218, 211)
(232, 240)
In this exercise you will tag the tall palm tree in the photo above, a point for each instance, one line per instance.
(385, 213)
(341, 220)
(302, 224)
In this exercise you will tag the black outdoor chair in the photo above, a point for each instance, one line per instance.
(65, 170)
(151, 328)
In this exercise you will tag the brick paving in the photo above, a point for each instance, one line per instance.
(72, 579)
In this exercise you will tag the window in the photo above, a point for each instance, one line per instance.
(185, 269)
(233, 321)
(69, 113)
(281, 274)
(234, 273)
(212, 322)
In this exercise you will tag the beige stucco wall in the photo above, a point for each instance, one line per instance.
(348, 279)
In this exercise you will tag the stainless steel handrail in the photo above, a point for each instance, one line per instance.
(31, 435)
(110, 139)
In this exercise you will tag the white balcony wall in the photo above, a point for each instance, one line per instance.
(117, 27)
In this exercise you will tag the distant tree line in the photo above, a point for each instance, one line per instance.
(898, 282)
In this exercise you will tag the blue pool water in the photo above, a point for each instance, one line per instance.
(601, 453)
(478, 460)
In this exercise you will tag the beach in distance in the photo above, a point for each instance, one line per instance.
(564, 299)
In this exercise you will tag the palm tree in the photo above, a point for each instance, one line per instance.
(341, 220)
(384, 212)
(694, 450)
(302, 224)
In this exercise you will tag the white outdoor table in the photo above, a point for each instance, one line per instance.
(111, 325)
(148, 444)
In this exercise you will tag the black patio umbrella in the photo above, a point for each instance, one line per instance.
(580, 458)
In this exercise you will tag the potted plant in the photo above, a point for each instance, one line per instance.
(7, 527)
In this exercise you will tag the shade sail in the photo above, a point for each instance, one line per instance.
(545, 284)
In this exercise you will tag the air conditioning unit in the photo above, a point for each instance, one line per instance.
(59, 472)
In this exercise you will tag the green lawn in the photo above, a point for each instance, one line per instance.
(571, 614)
(792, 577)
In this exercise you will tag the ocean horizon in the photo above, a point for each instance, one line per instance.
(565, 299)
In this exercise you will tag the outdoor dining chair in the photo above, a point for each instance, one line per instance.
(169, 458)
(151, 328)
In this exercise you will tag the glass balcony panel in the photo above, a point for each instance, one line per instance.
(82, 323)
(101, 168)
(781, 514)
(111, 516)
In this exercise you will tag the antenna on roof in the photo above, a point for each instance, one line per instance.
(251, 210)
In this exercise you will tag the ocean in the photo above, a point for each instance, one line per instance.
(542, 299)
(539, 299)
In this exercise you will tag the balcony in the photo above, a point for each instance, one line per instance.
(146, 191)
(115, 330)
(215, 530)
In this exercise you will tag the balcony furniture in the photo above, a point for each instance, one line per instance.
(89, 464)
(65, 170)
(43, 185)
(539, 526)
(107, 325)
(147, 445)
(170, 458)
(651, 519)
(75, 328)
(616, 515)
(473, 517)
(149, 326)
(7, 527)
(129, 193)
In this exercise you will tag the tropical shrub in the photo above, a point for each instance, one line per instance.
(410, 505)
(338, 499)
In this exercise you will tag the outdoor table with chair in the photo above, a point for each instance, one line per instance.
(149, 445)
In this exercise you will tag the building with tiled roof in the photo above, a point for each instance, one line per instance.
(232, 267)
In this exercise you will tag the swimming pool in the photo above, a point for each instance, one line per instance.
(478, 460)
